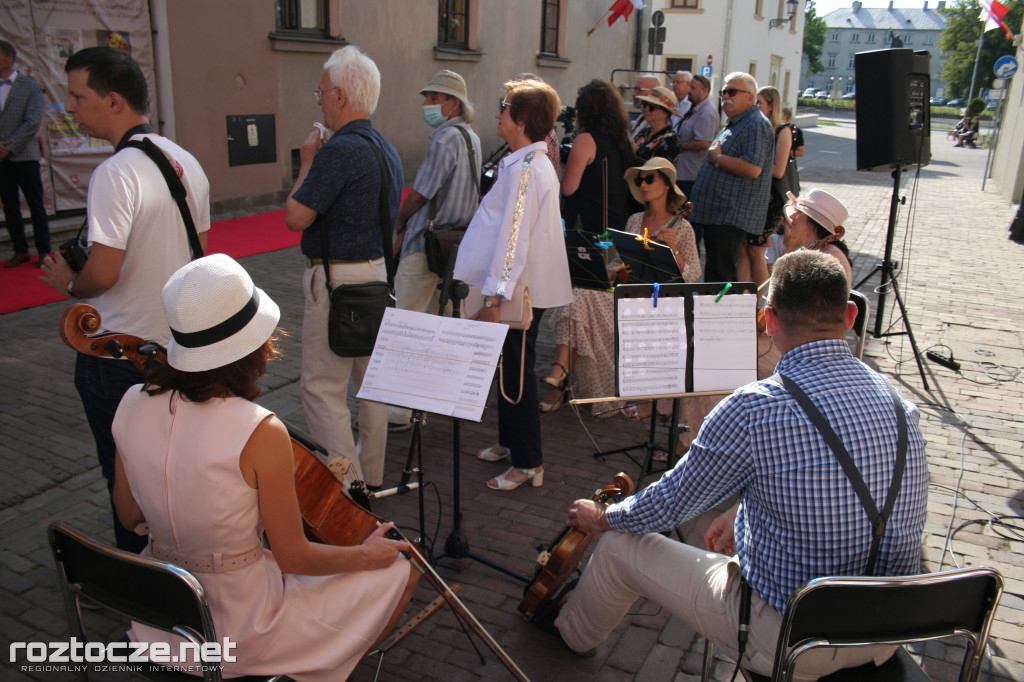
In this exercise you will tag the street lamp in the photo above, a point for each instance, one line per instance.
(837, 84)
(791, 6)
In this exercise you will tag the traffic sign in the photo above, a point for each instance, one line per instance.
(705, 71)
(658, 18)
(1006, 66)
(709, 60)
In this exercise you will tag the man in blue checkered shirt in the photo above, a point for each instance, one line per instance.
(730, 194)
(797, 518)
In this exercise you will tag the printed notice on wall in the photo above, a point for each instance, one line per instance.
(652, 346)
(436, 364)
(724, 341)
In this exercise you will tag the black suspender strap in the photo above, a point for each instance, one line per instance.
(175, 185)
(877, 518)
(386, 226)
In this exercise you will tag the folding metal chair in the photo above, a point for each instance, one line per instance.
(155, 593)
(862, 611)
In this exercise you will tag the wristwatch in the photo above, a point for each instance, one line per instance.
(71, 284)
(488, 303)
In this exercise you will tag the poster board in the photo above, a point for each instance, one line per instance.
(442, 365)
(691, 338)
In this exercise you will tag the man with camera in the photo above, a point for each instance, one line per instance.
(137, 235)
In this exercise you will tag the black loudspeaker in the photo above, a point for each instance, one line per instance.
(893, 114)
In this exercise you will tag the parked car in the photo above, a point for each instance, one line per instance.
(955, 103)
(850, 95)
(809, 92)
(821, 94)
(938, 101)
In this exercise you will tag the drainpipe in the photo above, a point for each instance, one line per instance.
(162, 67)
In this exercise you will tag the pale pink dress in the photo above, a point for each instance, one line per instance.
(181, 461)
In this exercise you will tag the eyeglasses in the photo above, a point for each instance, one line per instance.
(318, 94)
(647, 179)
(648, 106)
(731, 92)
(503, 105)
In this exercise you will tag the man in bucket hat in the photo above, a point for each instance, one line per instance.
(446, 191)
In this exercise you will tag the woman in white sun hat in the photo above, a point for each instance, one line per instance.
(204, 472)
(815, 221)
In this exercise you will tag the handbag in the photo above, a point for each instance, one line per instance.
(517, 313)
(441, 241)
(356, 310)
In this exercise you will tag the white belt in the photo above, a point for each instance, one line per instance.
(214, 563)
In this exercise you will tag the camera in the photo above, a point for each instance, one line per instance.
(567, 117)
(75, 252)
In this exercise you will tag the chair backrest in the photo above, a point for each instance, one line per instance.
(856, 611)
(151, 592)
(860, 325)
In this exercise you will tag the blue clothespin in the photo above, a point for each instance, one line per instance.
(657, 288)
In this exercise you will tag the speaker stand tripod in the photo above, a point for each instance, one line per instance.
(889, 280)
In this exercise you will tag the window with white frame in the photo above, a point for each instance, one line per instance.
(302, 17)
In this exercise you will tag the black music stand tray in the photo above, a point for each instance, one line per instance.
(588, 262)
(647, 261)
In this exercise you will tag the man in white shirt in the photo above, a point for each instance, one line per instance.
(681, 86)
(137, 235)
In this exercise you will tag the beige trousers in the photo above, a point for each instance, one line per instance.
(700, 587)
(326, 377)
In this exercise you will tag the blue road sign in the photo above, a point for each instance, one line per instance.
(1006, 66)
(706, 71)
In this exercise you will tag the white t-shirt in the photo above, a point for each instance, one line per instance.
(131, 208)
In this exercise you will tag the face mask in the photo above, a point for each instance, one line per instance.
(432, 115)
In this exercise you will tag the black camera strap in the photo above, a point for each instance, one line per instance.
(174, 183)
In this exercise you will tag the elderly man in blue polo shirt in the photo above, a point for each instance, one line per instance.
(798, 515)
(730, 194)
(340, 181)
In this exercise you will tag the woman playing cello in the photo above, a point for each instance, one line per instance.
(205, 471)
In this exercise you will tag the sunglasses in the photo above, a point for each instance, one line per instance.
(503, 105)
(647, 106)
(731, 92)
(647, 179)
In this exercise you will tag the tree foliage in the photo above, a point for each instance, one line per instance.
(814, 38)
(959, 41)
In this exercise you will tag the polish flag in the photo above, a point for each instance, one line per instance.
(992, 13)
(623, 8)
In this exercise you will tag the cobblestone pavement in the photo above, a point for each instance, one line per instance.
(961, 280)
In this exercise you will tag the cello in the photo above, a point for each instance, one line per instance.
(329, 514)
(557, 561)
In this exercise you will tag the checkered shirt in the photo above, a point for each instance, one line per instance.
(799, 518)
(722, 198)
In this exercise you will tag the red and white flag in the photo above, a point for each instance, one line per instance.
(992, 13)
(623, 8)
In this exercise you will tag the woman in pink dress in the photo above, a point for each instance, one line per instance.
(205, 472)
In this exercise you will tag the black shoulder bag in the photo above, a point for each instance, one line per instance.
(356, 310)
(441, 240)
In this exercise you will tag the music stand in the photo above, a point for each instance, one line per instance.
(588, 262)
(456, 546)
(646, 261)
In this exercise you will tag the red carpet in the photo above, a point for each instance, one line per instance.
(239, 237)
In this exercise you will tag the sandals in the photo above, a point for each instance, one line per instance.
(495, 453)
(534, 476)
(556, 383)
(555, 405)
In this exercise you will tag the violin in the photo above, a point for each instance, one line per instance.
(557, 561)
(330, 516)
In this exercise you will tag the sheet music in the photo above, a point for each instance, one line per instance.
(437, 364)
(724, 341)
(652, 346)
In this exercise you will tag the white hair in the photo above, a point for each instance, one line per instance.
(747, 79)
(351, 70)
(689, 76)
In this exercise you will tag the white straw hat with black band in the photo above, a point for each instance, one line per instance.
(216, 314)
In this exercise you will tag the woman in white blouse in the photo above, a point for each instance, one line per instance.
(501, 265)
